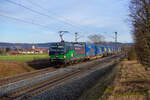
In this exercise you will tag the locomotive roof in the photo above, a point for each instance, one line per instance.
(81, 43)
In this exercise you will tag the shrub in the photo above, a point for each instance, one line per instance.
(132, 54)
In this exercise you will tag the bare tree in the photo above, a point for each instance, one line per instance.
(96, 38)
(140, 16)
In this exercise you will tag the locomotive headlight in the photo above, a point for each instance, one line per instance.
(64, 56)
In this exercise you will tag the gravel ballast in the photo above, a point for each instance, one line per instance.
(73, 89)
(9, 88)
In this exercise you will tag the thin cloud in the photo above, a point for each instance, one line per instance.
(96, 16)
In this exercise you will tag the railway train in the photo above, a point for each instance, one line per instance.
(69, 52)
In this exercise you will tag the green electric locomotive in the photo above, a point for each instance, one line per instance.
(65, 52)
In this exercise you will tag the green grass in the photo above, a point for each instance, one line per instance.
(23, 58)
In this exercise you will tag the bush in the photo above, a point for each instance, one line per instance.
(132, 54)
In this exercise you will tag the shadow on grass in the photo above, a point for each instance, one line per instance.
(40, 64)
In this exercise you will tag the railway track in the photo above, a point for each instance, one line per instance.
(24, 92)
(19, 77)
(16, 78)
(41, 87)
(34, 90)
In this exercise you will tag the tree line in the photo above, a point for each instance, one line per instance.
(140, 18)
(4, 51)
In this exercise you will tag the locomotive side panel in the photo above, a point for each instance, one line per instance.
(79, 50)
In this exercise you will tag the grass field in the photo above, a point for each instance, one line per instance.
(23, 58)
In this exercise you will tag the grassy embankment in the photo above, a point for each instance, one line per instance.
(132, 83)
(9, 68)
(17, 64)
(97, 90)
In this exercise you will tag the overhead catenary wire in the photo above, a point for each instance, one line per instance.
(57, 15)
(24, 21)
(61, 17)
(42, 14)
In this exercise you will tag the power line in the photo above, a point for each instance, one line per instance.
(32, 10)
(62, 17)
(37, 5)
(24, 21)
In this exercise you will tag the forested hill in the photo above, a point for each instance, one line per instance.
(29, 45)
(23, 45)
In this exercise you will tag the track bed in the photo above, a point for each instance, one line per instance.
(33, 86)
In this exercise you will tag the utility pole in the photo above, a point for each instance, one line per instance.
(116, 41)
(76, 37)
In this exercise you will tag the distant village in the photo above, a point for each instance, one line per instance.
(23, 51)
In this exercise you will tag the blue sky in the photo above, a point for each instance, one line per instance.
(84, 16)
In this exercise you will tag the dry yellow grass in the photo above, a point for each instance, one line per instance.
(132, 83)
(9, 68)
(136, 97)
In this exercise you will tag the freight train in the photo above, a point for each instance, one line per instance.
(69, 52)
